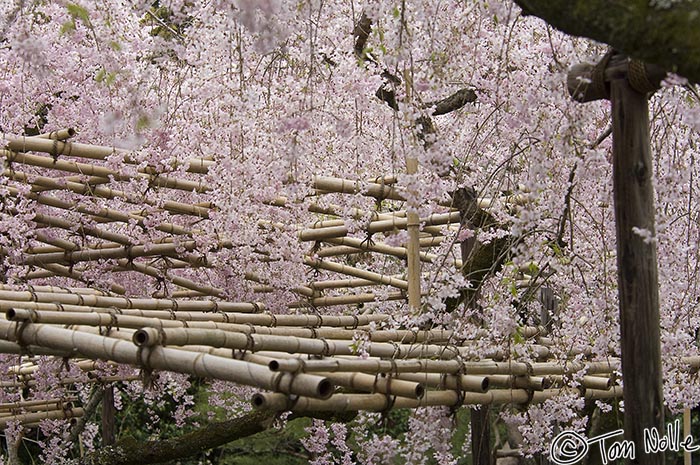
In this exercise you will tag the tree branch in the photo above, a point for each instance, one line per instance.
(132, 452)
(89, 408)
(215, 434)
(667, 36)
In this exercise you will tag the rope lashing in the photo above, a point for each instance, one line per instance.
(638, 77)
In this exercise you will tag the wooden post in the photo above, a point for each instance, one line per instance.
(481, 435)
(627, 84)
(108, 413)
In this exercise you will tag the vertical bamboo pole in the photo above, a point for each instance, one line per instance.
(687, 458)
(413, 229)
(637, 267)
(413, 249)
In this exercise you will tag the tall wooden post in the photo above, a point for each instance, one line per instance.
(108, 415)
(627, 85)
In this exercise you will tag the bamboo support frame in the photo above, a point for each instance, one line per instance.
(203, 365)
(382, 402)
(138, 322)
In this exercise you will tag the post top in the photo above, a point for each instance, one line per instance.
(587, 82)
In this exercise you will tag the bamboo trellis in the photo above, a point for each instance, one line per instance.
(342, 359)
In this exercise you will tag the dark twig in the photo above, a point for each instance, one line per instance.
(361, 33)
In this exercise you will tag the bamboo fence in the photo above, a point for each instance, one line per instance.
(326, 353)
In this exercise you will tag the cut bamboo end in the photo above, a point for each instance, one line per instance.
(61, 134)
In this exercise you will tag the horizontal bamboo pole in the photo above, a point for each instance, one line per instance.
(203, 365)
(61, 134)
(103, 214)
(340, 283)
(336, 230)
(601, 383)
(4, 413)
(344, 186)
(113, 319)
(95, 152)
(488, 368)
(130, 252)
(62, 414)
(131, 265)
(59, 270)
(338, 251)
(356, 272)
(151, 337)
(348, 299)
(128, 303)
(207, 314)
(7, 347)
(369, 383)
(382, 402)
(42, 183)
(100, 171)
(538, 383)
(471, 383)
(53, 289)
(62, 223)
(67, 381)
(47, 404)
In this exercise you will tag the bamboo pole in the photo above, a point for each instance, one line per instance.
(345, 186)
(356, 272)
(382, 402)
(113, 319)
(94, 152)
(104, 214)
(337, 229)
(340, 283)
(43, 183)
(59, 414)
(95, 300)
(151, 337)
(687, 457)
(203, 365)
(67, 381)
(53, 289)
(208, 313)
(537, 383)
(377, 383)
(349, 299)
(457, 382)
(37, 403)
(61, 134)
(487, 368)
(59, 270)
(102, 172)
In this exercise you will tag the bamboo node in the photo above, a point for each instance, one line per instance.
(326, 347)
